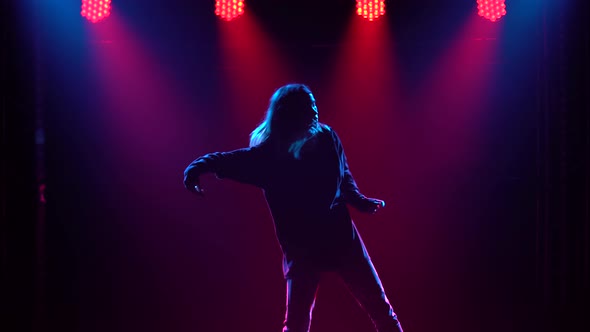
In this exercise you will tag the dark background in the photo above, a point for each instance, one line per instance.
(477, 136)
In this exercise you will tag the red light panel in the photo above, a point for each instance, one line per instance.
(370, 9)
(96, 10)
(493, 10)
(229, 9)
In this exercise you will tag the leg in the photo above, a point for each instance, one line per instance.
(363, 282)
(301, 290)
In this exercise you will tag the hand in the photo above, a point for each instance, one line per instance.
(374, 205)
(192, 184)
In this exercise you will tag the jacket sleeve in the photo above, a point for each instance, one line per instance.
(348, 187)
(242, 165)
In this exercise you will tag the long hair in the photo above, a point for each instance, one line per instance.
(282, 124)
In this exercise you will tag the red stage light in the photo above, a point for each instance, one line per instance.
(493, 10)
(229, 9)
(370, 9)
(96, 10)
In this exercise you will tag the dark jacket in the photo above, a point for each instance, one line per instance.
(307, 197)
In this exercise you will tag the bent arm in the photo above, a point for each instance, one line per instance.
(348, 187)
(242, 165)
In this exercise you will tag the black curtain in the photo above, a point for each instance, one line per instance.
(563, 219)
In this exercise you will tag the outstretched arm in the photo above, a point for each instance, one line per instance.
(242, 165)
(349, 189)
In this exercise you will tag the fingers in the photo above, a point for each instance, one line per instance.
(198, 190)
(377, 205)
(195, 189)
(376, 208)
(192, 185)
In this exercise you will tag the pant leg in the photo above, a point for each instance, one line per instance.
(362, 280)
(301, 291)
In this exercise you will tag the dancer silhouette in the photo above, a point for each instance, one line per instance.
(301, 166)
